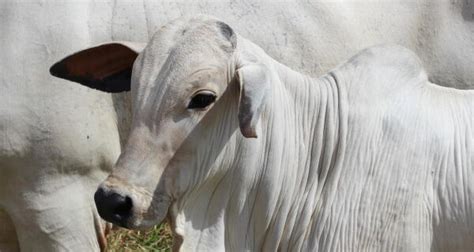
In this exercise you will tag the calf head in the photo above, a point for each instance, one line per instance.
(192, 88)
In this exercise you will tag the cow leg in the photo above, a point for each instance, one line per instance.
(8, 238)
(102, 229)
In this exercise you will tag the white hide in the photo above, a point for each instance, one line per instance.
(58, 140)
(369, 157)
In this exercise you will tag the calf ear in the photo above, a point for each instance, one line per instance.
(254, 82)
(106, 67)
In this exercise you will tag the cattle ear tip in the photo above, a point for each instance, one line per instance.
(58, 69)
(248, 133)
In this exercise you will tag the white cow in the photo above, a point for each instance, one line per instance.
(370, 156)
(57, 141)
(45, 123)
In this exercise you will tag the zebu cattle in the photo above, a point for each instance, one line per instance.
(58, 134)
(244, 154)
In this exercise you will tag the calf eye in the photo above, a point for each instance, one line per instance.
(202, 100)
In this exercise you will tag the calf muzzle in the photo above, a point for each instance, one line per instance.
(113, 207)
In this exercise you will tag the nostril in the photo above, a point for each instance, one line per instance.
(123, 209)
(112, 206)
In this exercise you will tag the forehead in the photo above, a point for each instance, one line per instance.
(195, 38)
(181, 48)
(178, 54)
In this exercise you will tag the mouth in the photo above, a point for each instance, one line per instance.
(131, 210)
(157, 212)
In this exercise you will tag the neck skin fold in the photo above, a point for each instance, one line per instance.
(271, 191)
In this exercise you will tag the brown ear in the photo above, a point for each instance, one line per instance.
(106, 67)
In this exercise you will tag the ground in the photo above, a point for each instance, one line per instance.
(157, 239)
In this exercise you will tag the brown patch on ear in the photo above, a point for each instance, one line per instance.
(107, 67)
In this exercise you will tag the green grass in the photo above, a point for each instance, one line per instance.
(159, 238)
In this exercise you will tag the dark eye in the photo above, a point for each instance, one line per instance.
(202, 100)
